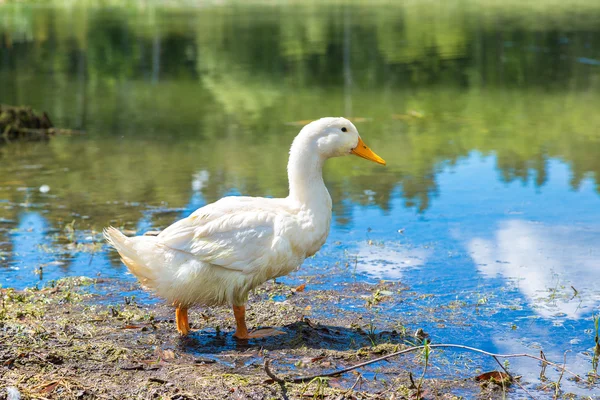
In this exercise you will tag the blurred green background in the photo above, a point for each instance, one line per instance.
(166, 89)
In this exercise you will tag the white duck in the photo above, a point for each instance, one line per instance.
(225, 249)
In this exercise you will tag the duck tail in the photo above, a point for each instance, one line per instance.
(126, 246)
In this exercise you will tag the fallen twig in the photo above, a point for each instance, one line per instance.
(300, 379)
(271, 374)
(359, 379)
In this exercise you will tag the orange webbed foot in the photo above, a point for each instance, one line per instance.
(181, 320)
(241, 331)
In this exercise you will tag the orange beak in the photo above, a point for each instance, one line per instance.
(362, 150)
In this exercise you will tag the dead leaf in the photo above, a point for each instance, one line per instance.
(50, 387)
(497, 377)
(131, 327)
(300, 288)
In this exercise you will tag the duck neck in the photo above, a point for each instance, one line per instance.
(305, 174)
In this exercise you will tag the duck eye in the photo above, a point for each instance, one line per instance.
(344, 129)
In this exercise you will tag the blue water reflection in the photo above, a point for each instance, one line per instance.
(30, 249)
(520, 261)
(524, 260)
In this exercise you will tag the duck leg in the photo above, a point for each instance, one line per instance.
(181, 319)
(241, 331)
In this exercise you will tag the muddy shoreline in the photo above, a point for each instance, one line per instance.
(77, 338)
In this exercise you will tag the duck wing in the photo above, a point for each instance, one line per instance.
(237, 233)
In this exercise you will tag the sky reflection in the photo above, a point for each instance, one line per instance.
(549, 262)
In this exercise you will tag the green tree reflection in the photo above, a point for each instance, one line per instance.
(164, 92)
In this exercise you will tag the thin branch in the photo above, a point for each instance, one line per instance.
(543, 370)
(557, 389)
(271, 374)
(359, 379)
(512, 378)
(409, 350)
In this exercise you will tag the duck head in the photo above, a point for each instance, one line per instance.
(335, 137)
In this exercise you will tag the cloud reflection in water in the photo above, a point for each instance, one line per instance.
(546, 259)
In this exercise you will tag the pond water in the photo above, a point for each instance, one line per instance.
(486, 112)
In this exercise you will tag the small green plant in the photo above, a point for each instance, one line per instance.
(401, 329)
(321, 383)
(70, 231)
(375, 298)
(371, 333)
(426, 353)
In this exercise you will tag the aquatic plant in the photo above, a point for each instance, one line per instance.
(426, 352)
(321, 384)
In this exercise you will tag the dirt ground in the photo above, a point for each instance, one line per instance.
(79, 338)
